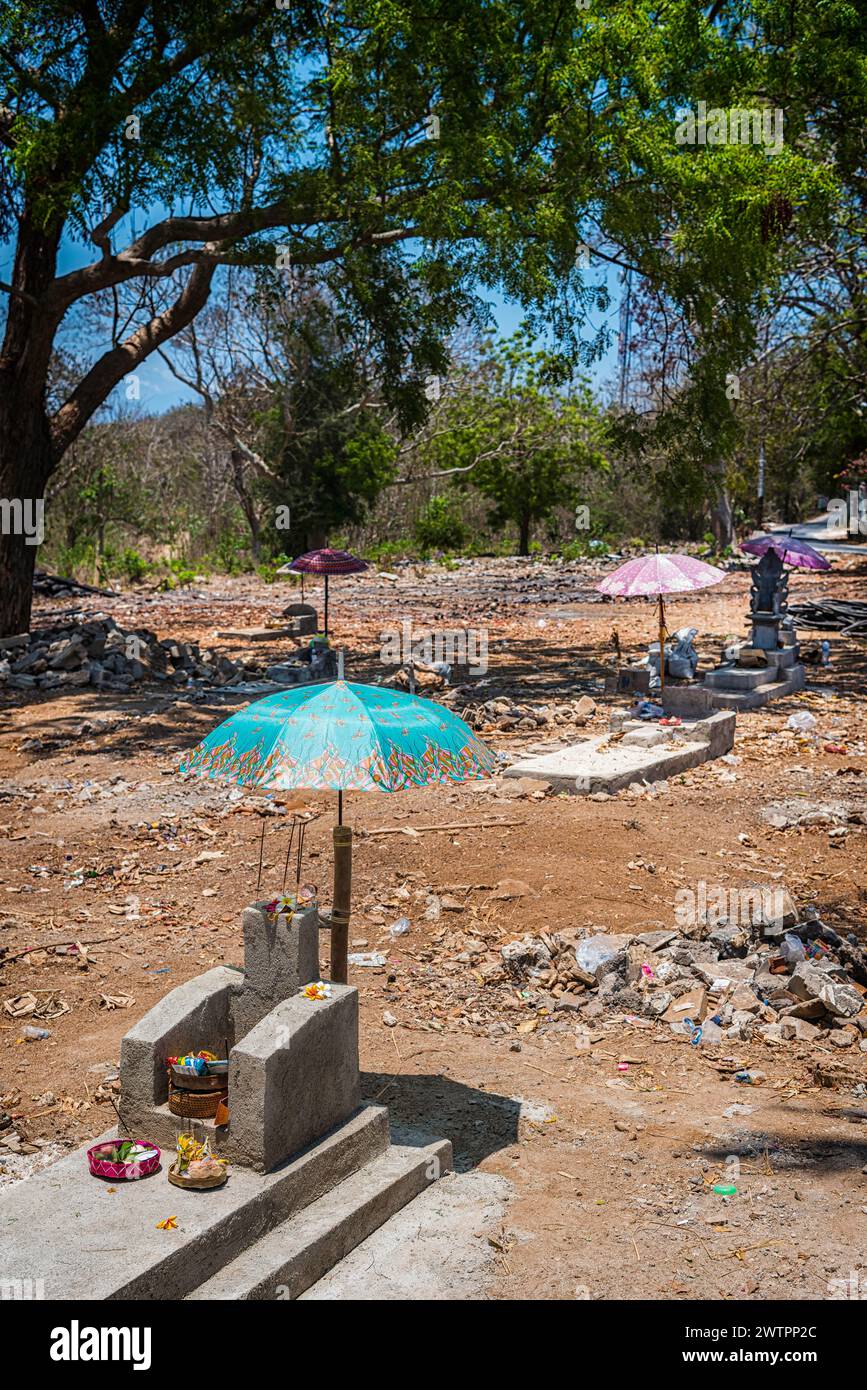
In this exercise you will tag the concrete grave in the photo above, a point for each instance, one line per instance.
(313, 1170)
(769, 667)
(644, 752)
(293, 1062)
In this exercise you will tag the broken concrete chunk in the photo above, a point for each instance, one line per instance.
(798, 1030)
(655, 940)
(721, 974)
(744, 1000)
(840, 999)
(596, 954)
(692, 1005)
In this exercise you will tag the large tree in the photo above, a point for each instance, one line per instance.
(429, 150)
(291, 392)
(511, 428)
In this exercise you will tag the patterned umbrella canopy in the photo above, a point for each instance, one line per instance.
(344, 737)
(652, 575)
(327, 562)
(790, 550)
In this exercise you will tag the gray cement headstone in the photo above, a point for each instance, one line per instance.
(293, 1062)
(281, 953)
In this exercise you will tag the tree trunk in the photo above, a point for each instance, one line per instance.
(26, 462)
(524, 535)
(721, 517)
(27, 453)
(248, 506)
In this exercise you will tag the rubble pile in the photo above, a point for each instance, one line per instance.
(777, 981)
(57, 586)
(99, 652)
(505, 715)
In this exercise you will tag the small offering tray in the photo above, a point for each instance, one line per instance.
(196, 1184)
(102, 1165)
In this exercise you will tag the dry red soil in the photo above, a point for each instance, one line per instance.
(612, 1170)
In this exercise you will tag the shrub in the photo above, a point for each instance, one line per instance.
(439, 525)
(132, 566)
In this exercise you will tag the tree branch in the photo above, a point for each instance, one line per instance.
(117, 363)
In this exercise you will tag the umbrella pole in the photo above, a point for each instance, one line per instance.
(326, 605)
(261, 855)
(288, 852)
(661, 645)
(340, 904)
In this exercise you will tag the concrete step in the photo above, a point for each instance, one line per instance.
(739, 678)
(299, 1252)
(88, 1242)
(794, 679)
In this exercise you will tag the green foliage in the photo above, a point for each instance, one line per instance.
(131, 566)
(520, 434)
(268, 570)
(439, 525)
(303, 127)
(331, 455)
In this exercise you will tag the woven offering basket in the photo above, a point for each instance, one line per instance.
(196, 1105)
(195, 1184)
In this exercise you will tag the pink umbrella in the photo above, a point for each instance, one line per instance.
(325, 561)
(651, 576)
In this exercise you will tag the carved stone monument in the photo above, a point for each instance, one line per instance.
(768, 667)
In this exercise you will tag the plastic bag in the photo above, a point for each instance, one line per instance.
(792, 949)
(801, 721)
(366, 958)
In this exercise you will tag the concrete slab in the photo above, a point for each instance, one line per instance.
(295, 1255)
(67, 1228)
(737, 678)
(597, 765)
(259, 634)
(435, 1249)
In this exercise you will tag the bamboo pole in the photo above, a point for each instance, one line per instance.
(341, 903)
(661, 646)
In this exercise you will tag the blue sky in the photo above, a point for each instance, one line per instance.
(160, 390)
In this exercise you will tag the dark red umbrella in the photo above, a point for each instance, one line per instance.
(325, 562)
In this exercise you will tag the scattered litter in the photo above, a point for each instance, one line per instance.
(366, 958)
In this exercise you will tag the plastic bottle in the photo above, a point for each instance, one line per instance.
(34, 1034)
(400, 928)
(711, 1033)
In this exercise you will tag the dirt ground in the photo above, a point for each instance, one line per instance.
(610, 1166)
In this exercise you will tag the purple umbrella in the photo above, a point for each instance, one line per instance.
(790, 550)
(325, 562)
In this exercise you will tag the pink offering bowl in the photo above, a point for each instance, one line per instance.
(101, 1166)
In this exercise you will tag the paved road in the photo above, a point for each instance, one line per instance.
(822, 536)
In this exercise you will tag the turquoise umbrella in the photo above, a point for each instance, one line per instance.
(342, 737)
